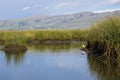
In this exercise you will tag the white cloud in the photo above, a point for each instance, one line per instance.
(66, 4)
(106, 10)
(35, 6)
(113, 1)
(29, 7)
(26, 8)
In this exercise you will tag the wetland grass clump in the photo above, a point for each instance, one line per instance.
(23, 38)
(13, 41)
(14, 48)
(104, 37)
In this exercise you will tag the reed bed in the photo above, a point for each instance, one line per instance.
(21, 37)
(104, 37)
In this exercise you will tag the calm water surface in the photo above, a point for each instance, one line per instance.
(53, 62)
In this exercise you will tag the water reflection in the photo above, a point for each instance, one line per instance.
(14, 57)
(62, 62)
(68, 63)
(105, 69)
(56, 48)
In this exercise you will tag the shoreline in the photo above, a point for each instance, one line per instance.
(52, 42)
(20, 47)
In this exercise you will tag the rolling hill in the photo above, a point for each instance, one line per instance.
(72, 21)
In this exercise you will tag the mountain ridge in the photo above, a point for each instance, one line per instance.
(81, 20)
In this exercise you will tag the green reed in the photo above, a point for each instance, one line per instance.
(104, 36)
(21, 37)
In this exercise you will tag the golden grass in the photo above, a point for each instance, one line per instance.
(20, 37)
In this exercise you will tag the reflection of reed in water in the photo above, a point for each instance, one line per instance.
(56, 48)
(53, 48)
(14, 57)
(105, 69)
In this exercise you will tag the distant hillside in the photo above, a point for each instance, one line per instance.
(74, 21)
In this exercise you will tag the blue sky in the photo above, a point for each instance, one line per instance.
(22, 8)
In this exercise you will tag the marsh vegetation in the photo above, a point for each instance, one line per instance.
(40, 52)
(22, 37)
(103, 37)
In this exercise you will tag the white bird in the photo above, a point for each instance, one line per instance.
(83, 46)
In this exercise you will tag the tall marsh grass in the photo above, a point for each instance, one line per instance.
(20, 37)
(104, 37)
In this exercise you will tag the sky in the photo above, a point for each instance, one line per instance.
(23, 8)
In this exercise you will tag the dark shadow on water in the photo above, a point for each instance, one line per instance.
(105, 69)
(14, 57)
